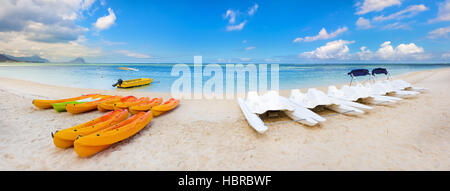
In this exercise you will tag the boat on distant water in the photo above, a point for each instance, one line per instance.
(132, 83)
(128, 69)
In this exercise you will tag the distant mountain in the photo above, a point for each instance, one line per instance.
(4, 58)
(78, 60)
(34, 58)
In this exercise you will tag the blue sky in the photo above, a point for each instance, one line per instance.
(248, 31)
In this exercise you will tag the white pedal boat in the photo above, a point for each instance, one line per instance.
(314, 98)
(398, 88)
(361, 94)
(403, 85)
(256, 105)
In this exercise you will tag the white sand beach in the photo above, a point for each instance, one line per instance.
(214, 135)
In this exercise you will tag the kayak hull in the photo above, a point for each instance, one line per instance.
(145, 106)
(66, 137)
(89, 106)
(89, 145)
(167, 106)
(46, 104)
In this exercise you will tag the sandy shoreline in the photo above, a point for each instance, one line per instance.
(213, 135)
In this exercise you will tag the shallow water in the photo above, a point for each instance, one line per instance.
(102, 76)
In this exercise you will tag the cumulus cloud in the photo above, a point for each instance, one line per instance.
(387, 52)
(133, 54)
(363, 23)
(337, 49)
(253, 9)
(46, 21)
(17, 44)
(375, 5)
(43, 27)
(439, 33)
(237, 27)
(444, 12)
(105, 22)
(405, 13)
(323, 35)
(364, 54)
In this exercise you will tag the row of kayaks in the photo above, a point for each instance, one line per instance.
(98, 134)
(91, 102)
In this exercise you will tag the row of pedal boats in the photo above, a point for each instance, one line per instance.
(353, 99)
(98, 134)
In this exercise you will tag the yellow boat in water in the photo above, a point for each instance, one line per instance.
(132, 83)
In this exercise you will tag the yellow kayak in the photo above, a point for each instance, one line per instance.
(133, 83)
(93, 143)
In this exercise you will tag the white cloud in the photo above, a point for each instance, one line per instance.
(337, 49)
(439, 33)
(133, 54)
(86, 4)
(18, 44)
(244, 41)
(364, 54)
(363, 23)
(405, 13)
(250, 48)
(396, 25)
(253, 9)
(45, 28)
(57, 17)
(375, 5)
(231, 16)
(444, 12)
(323, 35)
(387, 52)
(105, 22)
(237, 27)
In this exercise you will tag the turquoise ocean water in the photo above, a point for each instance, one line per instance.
(102, 76)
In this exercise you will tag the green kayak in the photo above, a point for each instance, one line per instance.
(61, 107)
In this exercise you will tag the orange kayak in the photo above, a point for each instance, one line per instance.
(109, 105)
(145, 106)
(89, 106)
(126, 104)
(65, 138)
(88, 145)
(46, 104)
(167, 106)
